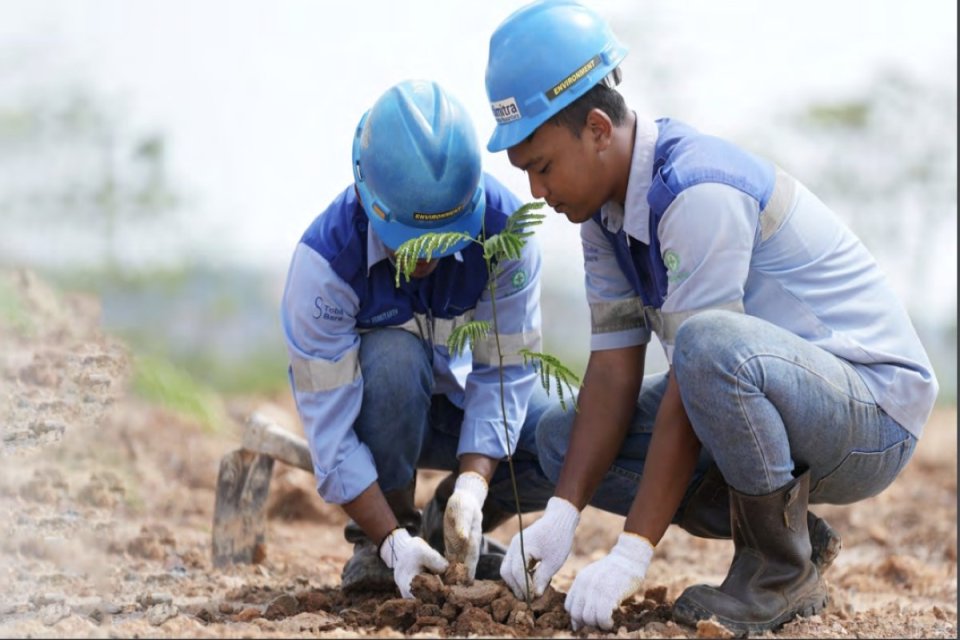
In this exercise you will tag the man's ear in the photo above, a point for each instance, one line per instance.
(599, 128)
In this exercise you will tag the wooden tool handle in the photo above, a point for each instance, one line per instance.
(263, 435)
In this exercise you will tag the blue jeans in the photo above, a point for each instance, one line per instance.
(408, 427)
(766, 405)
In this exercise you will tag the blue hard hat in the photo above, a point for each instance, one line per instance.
(416, 164)
(542, 57)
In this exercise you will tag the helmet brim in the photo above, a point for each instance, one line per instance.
(393, 234)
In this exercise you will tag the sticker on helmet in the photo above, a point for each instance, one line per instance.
(418, 215)
(505, 110)
(571, 79)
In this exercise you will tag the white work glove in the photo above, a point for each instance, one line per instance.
(408, 556)
(547, 541)
(462, 521)
(602, 585)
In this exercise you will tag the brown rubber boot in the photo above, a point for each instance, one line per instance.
(491, 552)
(365, 570)
(771, 579)
(707, 515)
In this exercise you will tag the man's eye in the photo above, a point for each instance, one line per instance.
(544, 168)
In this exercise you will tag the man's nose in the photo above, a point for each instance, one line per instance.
(538, 189)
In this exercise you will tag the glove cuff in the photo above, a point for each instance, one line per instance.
(473, 484)
(634, 548)
(393, 546)
(562, 513)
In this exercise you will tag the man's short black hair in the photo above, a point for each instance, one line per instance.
(600, 96)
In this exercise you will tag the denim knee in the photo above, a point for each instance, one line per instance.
(702, 340)
(393, 361)
(553, 438)
(397, 390)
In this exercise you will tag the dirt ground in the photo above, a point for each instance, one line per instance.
(106, 505)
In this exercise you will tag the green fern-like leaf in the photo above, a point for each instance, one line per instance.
(503, 245)
(523, 218)
(471, 332)
(509, 243)
(423, 248)
(551, 369)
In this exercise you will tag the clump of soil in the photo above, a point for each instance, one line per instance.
(443, 606)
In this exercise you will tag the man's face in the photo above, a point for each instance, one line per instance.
(563, 169)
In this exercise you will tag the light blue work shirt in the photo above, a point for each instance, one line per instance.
(323, 342)
(808, 274)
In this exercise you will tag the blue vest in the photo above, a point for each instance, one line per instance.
(454, 287)
(683, 157)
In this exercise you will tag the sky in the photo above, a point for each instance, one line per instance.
(259, 100)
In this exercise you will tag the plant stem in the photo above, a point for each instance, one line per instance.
(506, 429)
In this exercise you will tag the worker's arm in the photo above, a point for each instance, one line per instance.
(670, 462)
(606, 404)
(372, 513)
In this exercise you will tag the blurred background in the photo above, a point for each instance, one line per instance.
(166, 155)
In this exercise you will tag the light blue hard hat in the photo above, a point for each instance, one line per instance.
(542, 57)
(416, 164)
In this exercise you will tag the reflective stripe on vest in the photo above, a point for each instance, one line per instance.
(485, 351)
(618, 315)
(312, 375)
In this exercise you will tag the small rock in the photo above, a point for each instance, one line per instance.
(206, 615)
(551, 600)
(658, 594)
(711, 628)
(521, 617)
(54, 613)
(428, 622)
(554, 620)
(398, 613)
(474, 621)
(147, 600)
(456, 573)
(283, 606)
(428, 588)
(226, 608)
(449, 611)
(160, 613)
(42, 599)
(501, 608)
(479, 594)
(45, 427)
(429, 611)
(310, 601)
(248, 614)
(309, 622)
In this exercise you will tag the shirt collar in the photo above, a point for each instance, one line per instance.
(634, 217)
(377, 251)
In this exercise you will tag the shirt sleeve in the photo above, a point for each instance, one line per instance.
(318, 315)
(706, 238)
(517, 300)
(616, 311)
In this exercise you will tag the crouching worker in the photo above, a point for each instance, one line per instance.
(796, 376)
(377, 390)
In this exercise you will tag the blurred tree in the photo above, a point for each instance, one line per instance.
(70, 164)
(886, 159)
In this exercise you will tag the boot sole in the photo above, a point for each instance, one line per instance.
(690, 613)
